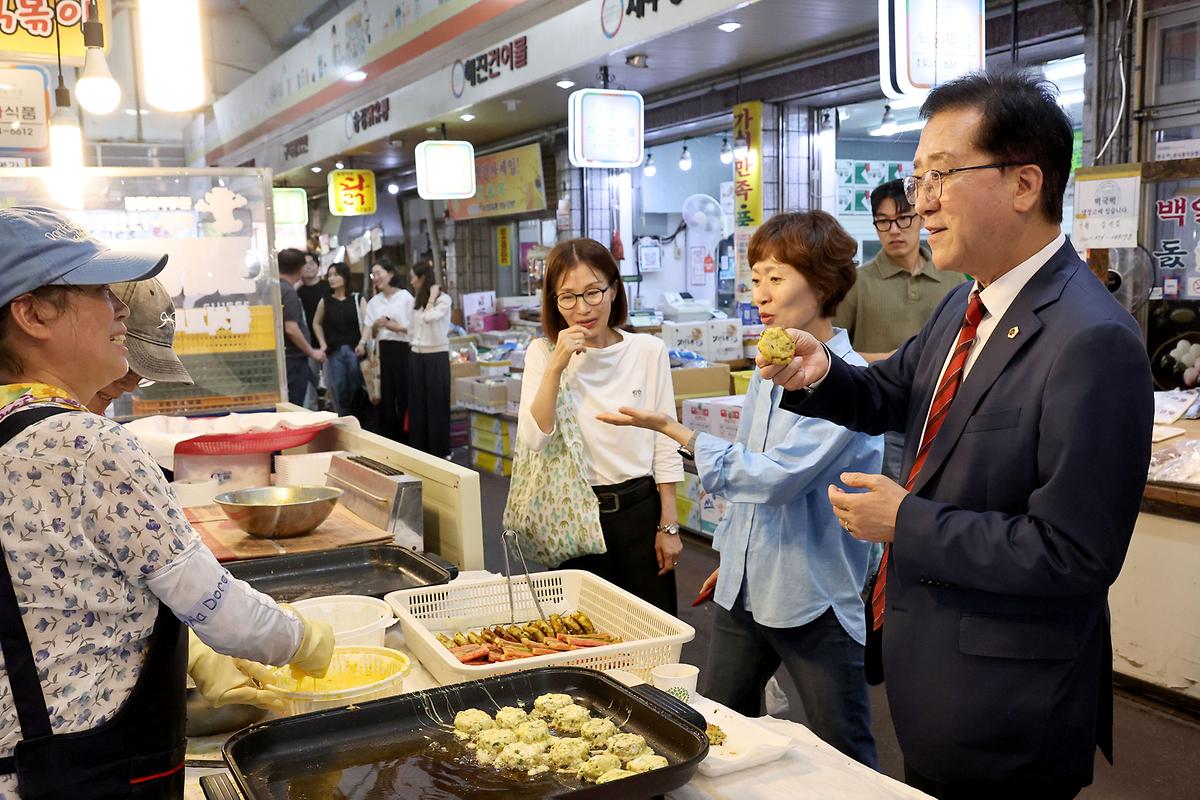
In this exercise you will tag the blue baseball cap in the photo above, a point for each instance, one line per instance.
(42, 247)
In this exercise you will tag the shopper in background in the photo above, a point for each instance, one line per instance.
(387, 320)
(633, 472)
(297, 346)
(338, 328)
(789, 583)
(100, 571)
(149, 334)
(895, 294)
(312, 289)
(1030, 402)
(429, 364)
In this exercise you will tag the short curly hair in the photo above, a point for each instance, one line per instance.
(815, 245)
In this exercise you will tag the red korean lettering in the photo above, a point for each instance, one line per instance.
(1196, 209)
(520, 52)
(1172, 210)
(68, 12)
(743, 189)
(36, 17)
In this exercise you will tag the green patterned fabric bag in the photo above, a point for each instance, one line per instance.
(550, 502)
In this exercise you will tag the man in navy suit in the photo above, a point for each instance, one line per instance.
(1028, 403)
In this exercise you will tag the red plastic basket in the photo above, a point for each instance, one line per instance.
(233, 444)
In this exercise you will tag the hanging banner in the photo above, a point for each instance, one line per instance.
(24, 109)
(923, 43)
(606, 129)
(747, 171)
(503, 247)
(351, 192)
(508, 182)
(290, 206)
(27, 30)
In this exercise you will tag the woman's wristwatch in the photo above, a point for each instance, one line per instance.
(670, 530)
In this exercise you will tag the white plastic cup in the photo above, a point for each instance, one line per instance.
(677, 680)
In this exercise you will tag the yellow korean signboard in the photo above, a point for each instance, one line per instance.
(27, 29)
(508, 182)
(351, 192)
(747, 171)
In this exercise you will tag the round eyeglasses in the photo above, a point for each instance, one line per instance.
(593, 297)
(930, 183)
(903, 223)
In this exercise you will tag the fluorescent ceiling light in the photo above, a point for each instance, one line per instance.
(466, 117)
(565, 84)
(338, 165)
(893, 128)
(729, 27)
(357, 76)
(1067, 68)
(172, 57)
(316, 169)
(393, 188)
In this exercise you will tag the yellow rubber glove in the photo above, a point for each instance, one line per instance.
(221, 682)
(312, 657)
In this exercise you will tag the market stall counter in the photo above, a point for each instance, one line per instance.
(1152, 653)
(759, 759)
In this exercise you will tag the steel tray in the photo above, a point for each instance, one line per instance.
(403, 746)
(373, 569)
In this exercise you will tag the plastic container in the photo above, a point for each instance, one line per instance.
(356, 619)
(741, 380)
(299, 699)
(652, 636)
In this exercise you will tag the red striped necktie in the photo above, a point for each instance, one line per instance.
(938, 408)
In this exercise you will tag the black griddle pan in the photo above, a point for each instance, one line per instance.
(293, 757)
(373, 570)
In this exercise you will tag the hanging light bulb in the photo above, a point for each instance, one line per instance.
(741, 147)
(172, 64)
(685, 159)
(887, 123)
(65, 178)
(649, 169)
(97, 90)
(726, 151)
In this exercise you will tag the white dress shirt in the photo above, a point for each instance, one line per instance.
(997, 297)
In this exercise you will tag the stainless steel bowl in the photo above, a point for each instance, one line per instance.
(277, 512)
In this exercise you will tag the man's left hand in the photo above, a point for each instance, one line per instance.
(869, 515)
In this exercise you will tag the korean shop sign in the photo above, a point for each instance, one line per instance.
(508, 182)
(24, 107)
(606, 128)
(351, 192)
(489, 66)
(368, 116)
(923, 43)
(747, 171)
(1107, 206)
(28, 28)
(290, 205)
(1176, 240)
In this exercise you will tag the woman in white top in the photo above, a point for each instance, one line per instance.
(632, 471)
(387, 318)
(429, 365)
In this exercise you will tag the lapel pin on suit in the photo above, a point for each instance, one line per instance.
(1013, 331)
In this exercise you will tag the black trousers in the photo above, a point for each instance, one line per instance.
(631, 561)
(429, 402)
(393, 389)
(952, 791)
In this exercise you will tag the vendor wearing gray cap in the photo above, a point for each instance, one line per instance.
(98, 564)
(149, 336)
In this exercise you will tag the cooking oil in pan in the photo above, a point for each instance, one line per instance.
(436, 767)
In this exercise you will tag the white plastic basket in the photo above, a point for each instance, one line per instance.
(392, 664)
(355, 619)
(651, 636)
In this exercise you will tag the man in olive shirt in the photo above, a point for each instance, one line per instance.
(895, 293)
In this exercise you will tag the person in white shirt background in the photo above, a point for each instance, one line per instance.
(429, 364)
(388, 316)
(632, 471)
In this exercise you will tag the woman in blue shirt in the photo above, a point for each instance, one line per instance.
(788, 586)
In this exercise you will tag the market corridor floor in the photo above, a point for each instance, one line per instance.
(1156, 747)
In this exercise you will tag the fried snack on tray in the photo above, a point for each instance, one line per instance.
(716, 736)
(560, 634)
(777, 347)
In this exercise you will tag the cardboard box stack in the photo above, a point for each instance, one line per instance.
(687, 502)
(492, 442)
(512, 385)
(718, 416)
